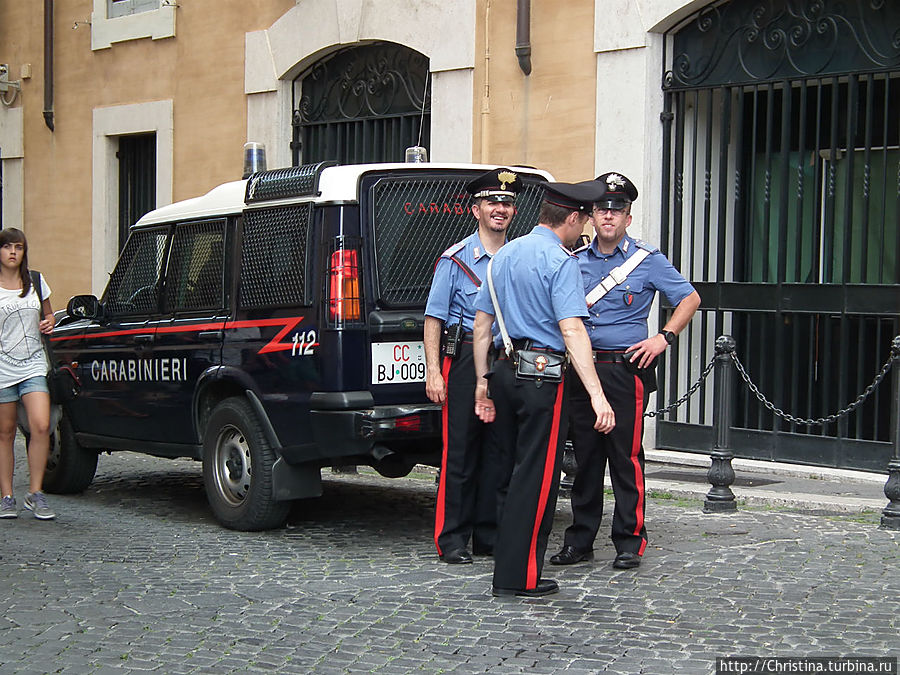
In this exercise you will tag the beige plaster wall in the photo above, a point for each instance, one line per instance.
(547, 118)
(201, 70)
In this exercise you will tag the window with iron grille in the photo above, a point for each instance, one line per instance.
(362, 104)
(274, 256)
(134, 283)
(416, 218)
(195, 274)
(782, 204)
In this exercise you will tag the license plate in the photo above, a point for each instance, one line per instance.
(398, 362)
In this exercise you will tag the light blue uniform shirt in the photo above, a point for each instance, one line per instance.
(538, 285)
(619, 319)
(452, 295)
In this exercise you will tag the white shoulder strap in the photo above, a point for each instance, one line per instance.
(616, 277)
(507, 343)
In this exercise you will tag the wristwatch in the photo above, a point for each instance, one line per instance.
(669, 335)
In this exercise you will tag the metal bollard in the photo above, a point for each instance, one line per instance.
(890, 516)
(720, 499)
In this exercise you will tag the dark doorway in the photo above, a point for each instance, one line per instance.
(137, 180)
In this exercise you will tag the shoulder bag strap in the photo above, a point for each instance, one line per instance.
(507, 343)
(36, 282)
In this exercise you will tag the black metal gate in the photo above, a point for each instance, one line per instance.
(367, 103)
(782, 204)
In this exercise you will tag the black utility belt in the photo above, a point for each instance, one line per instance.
(624, 358)
(602, 356)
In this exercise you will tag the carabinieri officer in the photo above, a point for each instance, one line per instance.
(620, 276)
(467, 490)
(541, 301)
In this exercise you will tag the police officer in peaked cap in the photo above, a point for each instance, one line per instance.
(541, 300)
(624, 358)
(467, 489)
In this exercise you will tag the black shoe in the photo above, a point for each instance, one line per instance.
(483, 550)
(569, 555)
(458, 556)
(544, 587)
(627, 561)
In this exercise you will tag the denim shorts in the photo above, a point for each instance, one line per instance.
(14, 392)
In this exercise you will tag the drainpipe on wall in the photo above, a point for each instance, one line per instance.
(486, 92)
(48, 64)
(523, 35)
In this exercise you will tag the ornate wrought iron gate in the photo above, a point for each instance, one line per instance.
(362, 104)
(782, 204)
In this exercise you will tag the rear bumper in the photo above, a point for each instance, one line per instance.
(356, 432)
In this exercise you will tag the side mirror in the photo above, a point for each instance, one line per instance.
(84, 307)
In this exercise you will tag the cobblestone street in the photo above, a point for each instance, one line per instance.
(136, 576)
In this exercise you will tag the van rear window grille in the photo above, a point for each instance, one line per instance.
(417, 219)
(273, 256)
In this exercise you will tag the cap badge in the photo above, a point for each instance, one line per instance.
(540, 363)
(615, 180)
(506, 177)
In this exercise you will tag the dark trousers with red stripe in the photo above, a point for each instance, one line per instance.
(531, 430)
(622, 449)
(470, 470)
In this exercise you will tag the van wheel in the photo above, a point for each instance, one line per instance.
(70, 467)
(237, 469)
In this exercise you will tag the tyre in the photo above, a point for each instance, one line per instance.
(237, 469)
(70, 467)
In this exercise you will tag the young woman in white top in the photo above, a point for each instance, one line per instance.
(23, 373)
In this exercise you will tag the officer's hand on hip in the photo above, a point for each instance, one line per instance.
(606, 418)
(484, 407)
(435, 387)
(645, 351)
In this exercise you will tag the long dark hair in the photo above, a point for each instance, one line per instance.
(11, 235)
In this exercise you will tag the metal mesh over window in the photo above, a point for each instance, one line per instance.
(134, 284)
(196, 266)
(273, 256)
(416, 219)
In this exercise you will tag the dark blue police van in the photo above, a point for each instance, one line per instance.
(270, 328)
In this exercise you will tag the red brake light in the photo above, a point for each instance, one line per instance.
(411, 423)
(344, 297)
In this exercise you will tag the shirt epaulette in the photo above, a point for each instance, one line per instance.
(564, 248)
(640, 243)
(453, 249)
(582, 248)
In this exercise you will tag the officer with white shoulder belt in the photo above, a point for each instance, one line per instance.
(621, 276)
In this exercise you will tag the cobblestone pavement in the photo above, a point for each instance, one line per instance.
(136, 576)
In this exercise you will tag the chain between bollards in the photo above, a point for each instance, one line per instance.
(721, 473)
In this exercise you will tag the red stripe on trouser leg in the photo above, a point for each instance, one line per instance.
(442, 485)
(635, 458)
(531, 578)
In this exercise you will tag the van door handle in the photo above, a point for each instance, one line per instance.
(143, 339)
(211, 335)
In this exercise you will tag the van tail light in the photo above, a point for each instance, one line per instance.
(410, 423)
(344, 297)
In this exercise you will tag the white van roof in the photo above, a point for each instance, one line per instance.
(336, 184)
